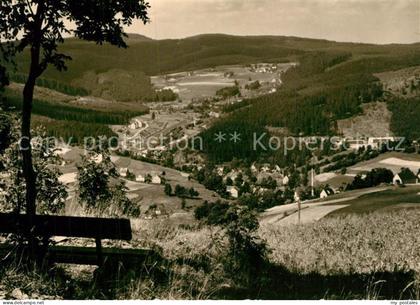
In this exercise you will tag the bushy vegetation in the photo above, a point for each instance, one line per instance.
(51, 193)
(163, 95)
(373, 178)
(96, 193)
(183, 192)
(253, 86)
(214, 213)
(228, 92)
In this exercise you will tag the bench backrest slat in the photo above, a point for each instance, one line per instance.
(85, 227)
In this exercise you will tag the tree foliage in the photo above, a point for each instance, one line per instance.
(99, 190)
(52, 193)
(39, 26)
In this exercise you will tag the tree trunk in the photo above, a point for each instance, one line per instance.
(28, 170)
(27, 164)
(25, 143)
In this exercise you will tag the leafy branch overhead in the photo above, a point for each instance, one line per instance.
(43, 24)
(40, 26)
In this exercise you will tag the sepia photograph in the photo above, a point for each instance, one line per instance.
(209, 150)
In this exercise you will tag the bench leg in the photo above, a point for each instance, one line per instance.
(99, 252)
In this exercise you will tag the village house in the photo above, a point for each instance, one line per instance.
(326, 192)
(214, 114)
(286, 180)
(232, 175)
(123, 172)
(265, 168)
(405, 177)
(376, 143)
(140, 178)
(233, 191)
(220, 170)
(357, 144)
(156, 179)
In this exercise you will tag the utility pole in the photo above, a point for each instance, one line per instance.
(297, 199)
(299, 209)
(312, 183)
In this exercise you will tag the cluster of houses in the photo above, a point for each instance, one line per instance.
(282, 180)
(135, 124)
(354, 143)
(365, 142)
(155, 211)
(264, 68)
(264, 172)
(152, 177)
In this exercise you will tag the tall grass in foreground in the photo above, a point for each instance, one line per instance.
(377, 242)
(371, 256)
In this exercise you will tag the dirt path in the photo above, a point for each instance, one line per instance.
(309, 215)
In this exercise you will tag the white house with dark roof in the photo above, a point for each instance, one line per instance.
(233, 191)
(123, 171)
(326, 192)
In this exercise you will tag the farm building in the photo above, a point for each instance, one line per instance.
(326, 192)
(156, 179)
(123, 171)
(406, 176)
(140, 178)
(233, 191)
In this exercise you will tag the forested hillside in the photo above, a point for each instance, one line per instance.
(331, 81)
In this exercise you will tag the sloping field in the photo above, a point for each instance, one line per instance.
(312, 210)
(142, 194)
(395, 198)
(392, 160)
(374, 122)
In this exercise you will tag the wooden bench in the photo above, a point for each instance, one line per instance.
(80, 227)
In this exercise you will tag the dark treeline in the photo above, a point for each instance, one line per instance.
(51, 84)
(73, 132)
(228, 139)
(405, 120)
(60, 111)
